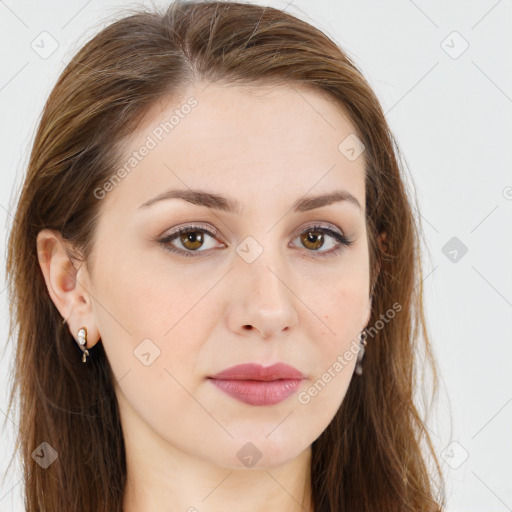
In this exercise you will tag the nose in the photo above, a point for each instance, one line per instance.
(263, 299)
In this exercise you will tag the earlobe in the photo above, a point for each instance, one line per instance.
(64, 287)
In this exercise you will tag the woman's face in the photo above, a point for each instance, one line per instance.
(246, 284)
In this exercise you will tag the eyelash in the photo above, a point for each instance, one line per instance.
(342, 239)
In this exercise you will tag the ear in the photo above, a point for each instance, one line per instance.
(381, 240)
(67, 286)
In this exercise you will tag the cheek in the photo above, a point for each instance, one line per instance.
(333, 351)
(156, 315)
(339, 301)
(146, 299)
(152, 340)
(337, 341)
(340, 309)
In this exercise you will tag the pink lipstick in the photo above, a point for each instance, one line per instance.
(254, 384)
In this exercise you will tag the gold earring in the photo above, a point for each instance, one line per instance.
(82, 340)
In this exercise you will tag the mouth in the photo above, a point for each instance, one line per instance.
(254, 384)
(255, 392)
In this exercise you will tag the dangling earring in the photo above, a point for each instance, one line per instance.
(82, 340)
(362, 339)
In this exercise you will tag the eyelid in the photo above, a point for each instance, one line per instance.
(321, 225)
(188, 227)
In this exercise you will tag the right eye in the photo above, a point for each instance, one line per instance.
(191, 238)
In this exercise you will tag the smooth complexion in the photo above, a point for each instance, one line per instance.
(265, 148)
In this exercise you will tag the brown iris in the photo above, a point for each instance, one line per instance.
(195, 238)
(312, 241)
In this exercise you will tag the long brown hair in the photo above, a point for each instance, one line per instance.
(376, 453)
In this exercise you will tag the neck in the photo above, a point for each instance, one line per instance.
(157, 487)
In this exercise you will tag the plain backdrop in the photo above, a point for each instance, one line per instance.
(443, 73)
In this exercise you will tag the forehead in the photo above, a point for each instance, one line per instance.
(265, 141)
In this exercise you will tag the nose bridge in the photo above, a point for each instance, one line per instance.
(265, 296)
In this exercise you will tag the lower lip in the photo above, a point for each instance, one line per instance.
(255, 392)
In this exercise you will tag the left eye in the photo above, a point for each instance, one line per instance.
(314, 238)
(192, 239)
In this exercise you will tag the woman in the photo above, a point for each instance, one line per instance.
(212, 230)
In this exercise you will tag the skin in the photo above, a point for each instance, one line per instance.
(265, 147)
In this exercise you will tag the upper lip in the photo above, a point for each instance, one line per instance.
(252, 371)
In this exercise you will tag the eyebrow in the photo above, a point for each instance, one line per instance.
(226, 204)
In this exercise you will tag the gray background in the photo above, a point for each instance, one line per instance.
(450, 109)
